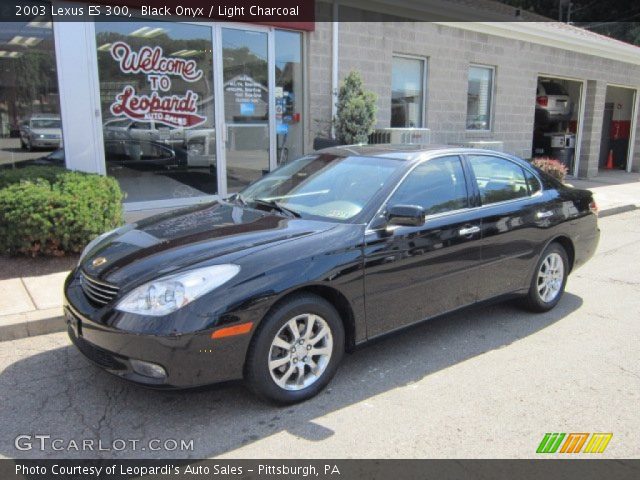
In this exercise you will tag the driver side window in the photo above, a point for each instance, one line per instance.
(436, 185)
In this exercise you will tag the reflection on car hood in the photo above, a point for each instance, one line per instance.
(166, 243)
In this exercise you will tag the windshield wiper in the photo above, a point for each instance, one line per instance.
(274, 205)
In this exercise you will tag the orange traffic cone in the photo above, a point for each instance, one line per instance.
(609, 165)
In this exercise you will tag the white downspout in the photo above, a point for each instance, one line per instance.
(334, 68)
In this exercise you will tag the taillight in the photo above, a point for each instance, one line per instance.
(593, 206)
(542, 100)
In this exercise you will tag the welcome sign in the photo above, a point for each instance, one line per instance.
(169, 109)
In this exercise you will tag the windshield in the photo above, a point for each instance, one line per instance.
(325, 185)
(45, 123)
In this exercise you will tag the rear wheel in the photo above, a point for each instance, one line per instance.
(549, 279)
(296, 350)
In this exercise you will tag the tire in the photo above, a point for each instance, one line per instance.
(539, 299)
(268, 362)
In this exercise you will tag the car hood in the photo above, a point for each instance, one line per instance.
(170, 242)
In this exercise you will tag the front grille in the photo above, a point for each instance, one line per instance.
(99, 293)
(96, 354)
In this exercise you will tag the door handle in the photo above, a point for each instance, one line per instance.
(466, 231)
(547, 214)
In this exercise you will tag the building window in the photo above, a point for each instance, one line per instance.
(407, 91)
(479, 98)
(156, 95)
(30, 125)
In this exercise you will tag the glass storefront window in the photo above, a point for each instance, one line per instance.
(288, 95)
(157, 100)
(479, 98)
(407, 92)
(30, 127)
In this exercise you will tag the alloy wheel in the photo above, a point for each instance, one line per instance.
(300, 352)
(550, 277)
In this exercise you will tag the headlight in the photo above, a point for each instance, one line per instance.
(168, 294)
(92, 244)
(41, 136)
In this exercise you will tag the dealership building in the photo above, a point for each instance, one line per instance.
(182, 112)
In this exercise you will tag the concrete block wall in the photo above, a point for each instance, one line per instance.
(592, 128)
(369, 46)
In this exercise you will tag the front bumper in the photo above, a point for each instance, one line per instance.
(190, 360)
(45, 142)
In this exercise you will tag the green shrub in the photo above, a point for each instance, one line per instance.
(53, 211)
(553, 167)
(356, 111)
(17, 175)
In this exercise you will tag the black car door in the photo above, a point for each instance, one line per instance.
(514, 215)
(415, 272)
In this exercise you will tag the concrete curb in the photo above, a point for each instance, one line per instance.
(30, 324)
(616, 210)
(51, 320)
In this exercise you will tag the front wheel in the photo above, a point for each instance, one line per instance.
(296, 350)
(549, 279)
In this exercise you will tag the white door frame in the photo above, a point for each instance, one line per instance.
(221, 128)
(635, 104)
(580, 118)
(633, 128)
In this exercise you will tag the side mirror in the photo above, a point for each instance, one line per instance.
(406, 215)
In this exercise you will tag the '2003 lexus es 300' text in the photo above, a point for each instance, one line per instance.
(328, 251)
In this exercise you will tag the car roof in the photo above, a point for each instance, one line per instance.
(408, 152)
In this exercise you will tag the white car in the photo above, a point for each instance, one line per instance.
(41, 131)
(126, 129)
(553, 103)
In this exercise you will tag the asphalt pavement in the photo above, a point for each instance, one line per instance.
(487, 382)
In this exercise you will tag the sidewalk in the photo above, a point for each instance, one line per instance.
(32, 300)
(614, 191)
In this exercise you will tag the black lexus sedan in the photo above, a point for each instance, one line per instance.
(329, 251)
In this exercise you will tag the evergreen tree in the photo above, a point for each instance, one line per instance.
(356, 113)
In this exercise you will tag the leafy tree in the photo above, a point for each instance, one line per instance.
(356, 113)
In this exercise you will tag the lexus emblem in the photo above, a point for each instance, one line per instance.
(98, 261)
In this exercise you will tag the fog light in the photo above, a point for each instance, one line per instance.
(148, 369)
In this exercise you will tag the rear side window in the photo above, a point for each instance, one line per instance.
(498, 179)
(436, 185)
(532, 182)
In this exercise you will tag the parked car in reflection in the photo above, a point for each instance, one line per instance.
(144, 153)
(198, 142)
(553, 103)
(41, 131)
(126, 129)
(323, 254)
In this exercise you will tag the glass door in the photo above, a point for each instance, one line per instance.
(246, 105)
